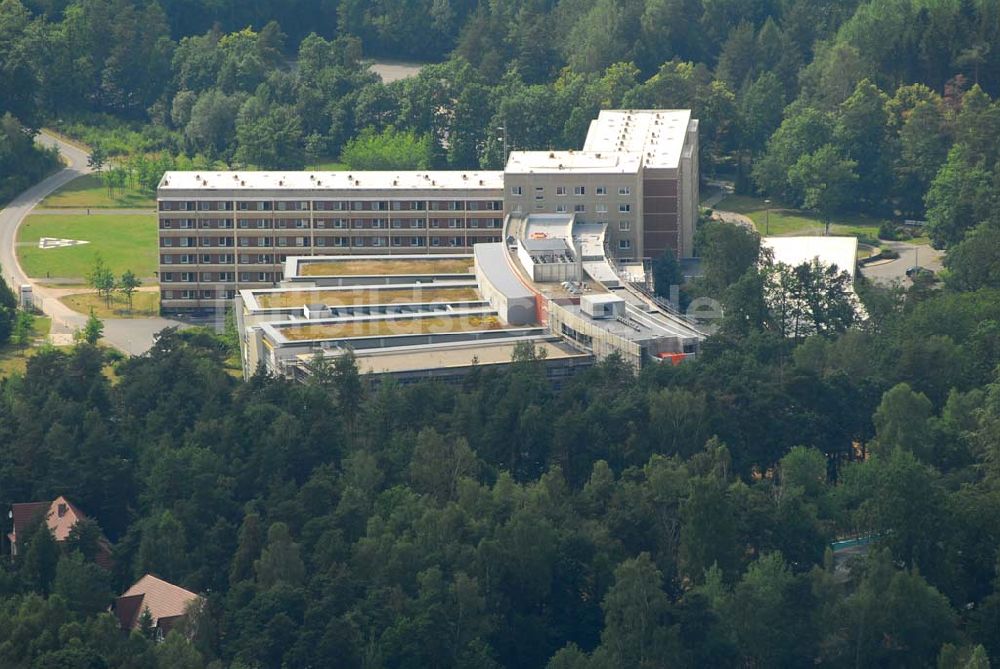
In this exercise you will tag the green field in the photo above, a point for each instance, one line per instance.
(144, 304)
(126, 242)
(12, 359)
(786, 221)
(88, 191)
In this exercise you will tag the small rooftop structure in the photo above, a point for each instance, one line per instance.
(167, 604)
(500, 284)
(793, 251)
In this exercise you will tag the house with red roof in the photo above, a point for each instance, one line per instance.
(167, 604)
(60, 515)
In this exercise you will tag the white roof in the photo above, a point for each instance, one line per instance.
(839, 251)
(656, 135)
(345, 180)
(608, 161)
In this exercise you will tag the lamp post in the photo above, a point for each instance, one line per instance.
(767, 218)
(503, 129)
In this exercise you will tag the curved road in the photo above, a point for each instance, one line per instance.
(132, 335)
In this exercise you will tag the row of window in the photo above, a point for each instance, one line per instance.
(200, 294)
(335, 223)
(334, 205)
(321, 242)
(561, 191)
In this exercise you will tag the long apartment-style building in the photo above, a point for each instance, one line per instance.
(220, 232)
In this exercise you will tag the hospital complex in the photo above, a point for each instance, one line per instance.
(428, 274)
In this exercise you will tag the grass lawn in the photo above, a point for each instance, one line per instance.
(88, 191)
(12, 359)
(786, 221)
(125, 242)
(144, 304)
(331, 298)
(363, 267)
(390, 326)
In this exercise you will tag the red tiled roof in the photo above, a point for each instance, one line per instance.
(164, 600)
(26, 512)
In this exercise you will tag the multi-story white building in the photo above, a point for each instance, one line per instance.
(637, 172)
(220, 232)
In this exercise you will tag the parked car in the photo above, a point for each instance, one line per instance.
(918, 271)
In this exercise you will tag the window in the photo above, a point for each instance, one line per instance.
(579, 190)
(416, 241)
(516, 191)
(397, 241)
(473, 223)
(261, 276)
(435, 241)
(359, 241)
(560, 209)
(624, 208)
(624, 226)
(168, 260)
(454, 222)
(167, 241)
(378, 241)
(261, 223)
(321, 241)
(244, 276)
(624, 243)
(244, 241)
(415, 223)
(602, 190)
(601, 209)
(624, 190)
(560, 190)
(579, 208)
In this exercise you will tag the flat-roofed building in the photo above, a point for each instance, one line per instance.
(637, 173)
(220, 232)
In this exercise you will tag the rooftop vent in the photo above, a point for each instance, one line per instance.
(243, 183)
(551, 155)
(465, 176)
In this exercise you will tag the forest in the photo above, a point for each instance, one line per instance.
(679, 517)
(682, 516)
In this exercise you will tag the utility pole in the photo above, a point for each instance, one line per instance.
(503, 129)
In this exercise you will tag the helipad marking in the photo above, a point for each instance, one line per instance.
(56, 243)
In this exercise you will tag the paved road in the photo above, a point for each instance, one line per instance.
(133, 336)
(909, 255)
